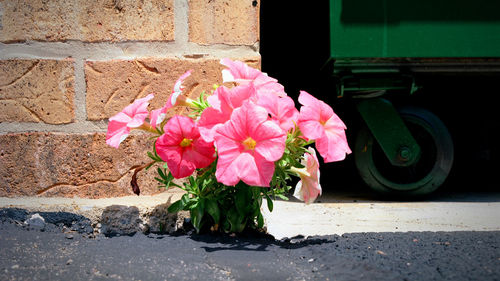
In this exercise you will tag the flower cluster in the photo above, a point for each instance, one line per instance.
(250, 136)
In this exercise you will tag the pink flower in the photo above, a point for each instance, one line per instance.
(223, 102)
(241, 73)
(318, 122)
(158, 115)
(182, 148)
(282, 110)
(131, 116)
(308, 188)
(247, 145)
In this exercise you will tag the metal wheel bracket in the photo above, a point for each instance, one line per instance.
(389, 131)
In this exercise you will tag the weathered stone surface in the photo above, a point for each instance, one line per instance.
(121, 220)
(84, 20)
(69, 165)
(36, 220)
(224, 22)
(160, 221)
(37, 91)
(112, 85)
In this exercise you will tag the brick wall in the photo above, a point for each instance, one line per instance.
(67, 66)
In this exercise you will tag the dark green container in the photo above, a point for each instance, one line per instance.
(381, 46)
(414, 29)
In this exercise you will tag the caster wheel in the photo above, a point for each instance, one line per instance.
(422, 177)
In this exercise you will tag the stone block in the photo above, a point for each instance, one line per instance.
(224, 22)
(73, 165)
(114, 84)
(37, 91)
(86, 20)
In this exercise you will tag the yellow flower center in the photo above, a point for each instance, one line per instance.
(186, 142)
(249, 143)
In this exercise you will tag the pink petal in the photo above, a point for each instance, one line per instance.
(210, 119)
(288, 115)
(239, 70)
(307, 99)
(138, 119)
(182, 161)
(157, 116)
(311, 129)
(138, 106)
(271, 141)
(269, 86)
(282, 110)
(235, 162)
(334, 123)
(178, 166)
(252, 170)
(121, 117)
(309, 188)
(241, 73)
(214, 100)
(178, 84)
(202, 153)
(131, 116)
(229, 166)
(247, 119)
(333, 146)
(226, 100)
(174, 130)
(323, 110)
(309, 113)
(117, 132)
(227, 140)
(264, 175)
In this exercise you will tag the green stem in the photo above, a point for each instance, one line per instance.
(299, 171)
(147, 127)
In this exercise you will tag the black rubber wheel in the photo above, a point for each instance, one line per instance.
(421, 178)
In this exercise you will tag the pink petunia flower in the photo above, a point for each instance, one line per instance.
(132, 116)
(282, 110)
(223, 102)
(176, 98)
(182, 148)
(318, 122)
(247, 145)
(241, 73)
(308, 188)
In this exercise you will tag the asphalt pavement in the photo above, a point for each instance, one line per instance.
(65, 249)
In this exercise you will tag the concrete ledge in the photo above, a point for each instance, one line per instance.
(341, 214)
(111, 216)
(334, 214)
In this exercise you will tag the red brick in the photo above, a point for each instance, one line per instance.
(87, 20)
(37, 91)
(112, 85)
(224, 22)
(68, 165)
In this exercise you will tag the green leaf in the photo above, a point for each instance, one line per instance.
(213, 210)
(260, 221)
(236, 220)
(197, 211)
(281, 196)
(160, 172)
(176, 206)
(243, 199)
(269, 203)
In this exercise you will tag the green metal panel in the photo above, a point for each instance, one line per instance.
(418, 29)
(390, 131)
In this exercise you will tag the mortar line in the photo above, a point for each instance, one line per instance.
(181, 22)
(77, 127)
(122, 50)
(80, 92)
